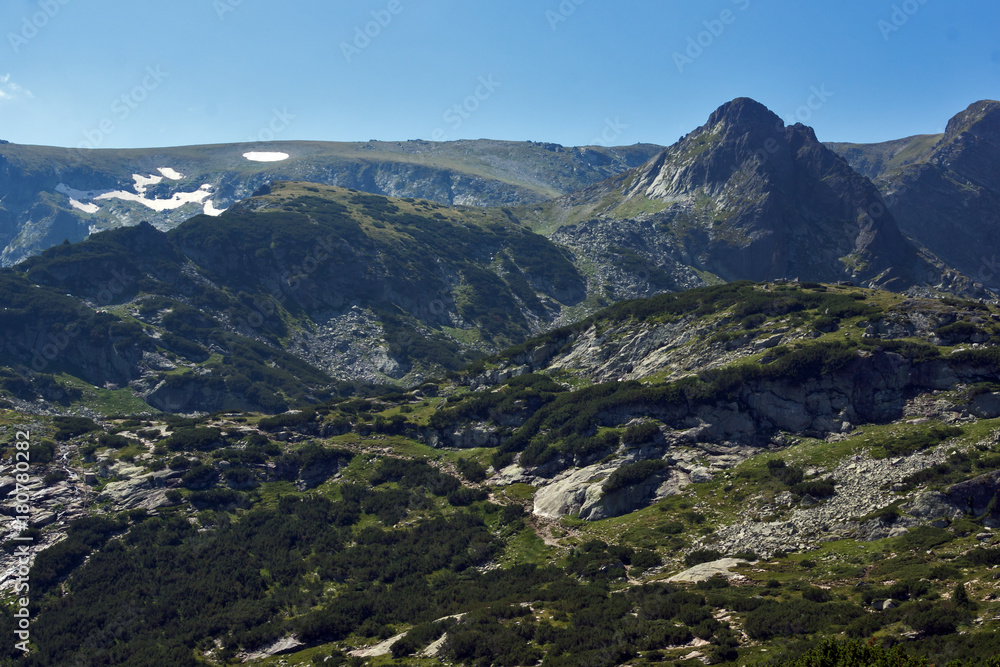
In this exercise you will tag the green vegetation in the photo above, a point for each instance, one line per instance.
(354, 517)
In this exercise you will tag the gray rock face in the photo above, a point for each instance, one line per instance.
(147, 491)
(976, 495)
(704, 571)
(744, 198)
(580, 492)
(700, 475)
(933, 505)
(568, 493)
(986, 406)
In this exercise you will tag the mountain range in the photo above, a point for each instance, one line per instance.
(48, 195)
(358, 287)
(733, 401)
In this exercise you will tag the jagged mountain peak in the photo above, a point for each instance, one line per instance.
(745, 196)
(981, 118)
(745, 112)
(742, 139)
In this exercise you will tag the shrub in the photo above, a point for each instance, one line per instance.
(816, 594)
(471, 470)
(463, 496)
(180, 462)
(196, 438)
(70, 427)
(797, 617)
(638, 434)
(817, 489)
(42, 451)
(632, 473)
(55, 476)
(923, 538)
(644, 559)
(699, 556)
(831, 653)
(200, 476)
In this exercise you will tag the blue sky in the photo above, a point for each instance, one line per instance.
(139, 73)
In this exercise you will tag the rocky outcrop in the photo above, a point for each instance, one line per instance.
(568, 493)
(977, 496)
(145, 491)
(716, 568)
(864, 486)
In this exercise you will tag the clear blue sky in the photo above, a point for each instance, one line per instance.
(138, 73)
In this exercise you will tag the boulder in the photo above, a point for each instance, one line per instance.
(568, 492)
(41, 519)
(597, 505)
(932, 505)
(704, 571)
(986, 406)
(700, 475)
(975, 495)
(144, 492)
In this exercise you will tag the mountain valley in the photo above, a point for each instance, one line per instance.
(732, 401)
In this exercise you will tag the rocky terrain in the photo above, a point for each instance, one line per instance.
(748, 441)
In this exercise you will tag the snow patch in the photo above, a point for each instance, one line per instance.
(73, 193)
(211, 210)
(176, 201)
(255, 156)
(86, 208)
(170, 173)
(143, 182)
(78, 198)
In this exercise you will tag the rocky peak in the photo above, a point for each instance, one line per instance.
(743, 145)
(744, 115)
(981, 118)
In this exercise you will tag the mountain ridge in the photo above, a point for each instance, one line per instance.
(51, 194)
(944, 190)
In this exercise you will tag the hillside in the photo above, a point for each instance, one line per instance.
(728, 474)
(50, 194)
(276, 301)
